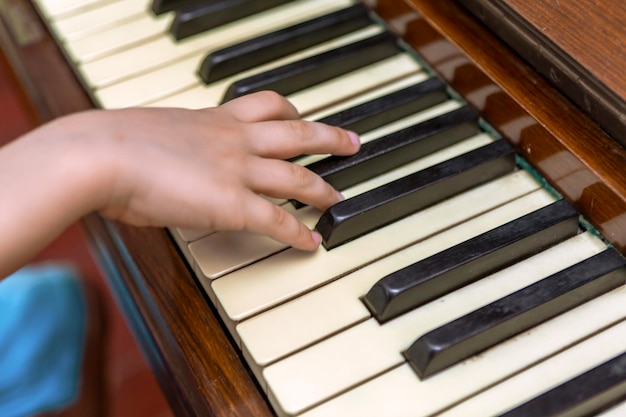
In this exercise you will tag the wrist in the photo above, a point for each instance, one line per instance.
(49, 180)
(70, 163)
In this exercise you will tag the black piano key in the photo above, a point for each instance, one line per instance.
(254, 52)
(448, 270)
(585, 395)
(197, 18)
(398, 148)
(390, 108)
(311, 71)
(163, 6)
(516, 313)
(354, 217)
(394, 150)
(387, 109)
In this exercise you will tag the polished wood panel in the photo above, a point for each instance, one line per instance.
(578, 45)
(591, 33)
(196, 363)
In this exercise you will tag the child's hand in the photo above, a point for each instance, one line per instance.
(206, 169)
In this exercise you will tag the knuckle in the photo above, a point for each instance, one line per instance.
(301, 176)
(272, 99)
(301, 129)
(279, 216)
(329, 197)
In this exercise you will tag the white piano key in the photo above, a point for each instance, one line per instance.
(294, 325)
(189, 235)
(96, 19)
(400, 393)
(180, 76)
(151, 86)
(124, 35)
(328, 93)
(127, 35)
(390, 88)
(618, 410)
(58, 9)
(159, 52)
(349, 85)
(544, 376)
(365, 350)
(375, 398)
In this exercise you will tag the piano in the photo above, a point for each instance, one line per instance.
(236, 325)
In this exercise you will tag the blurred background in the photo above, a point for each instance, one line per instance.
(129, 387)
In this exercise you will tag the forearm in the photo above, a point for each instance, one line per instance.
(48, 180)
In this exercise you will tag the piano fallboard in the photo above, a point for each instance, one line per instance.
(586, 65)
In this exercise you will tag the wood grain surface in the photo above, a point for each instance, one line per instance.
(591, 32)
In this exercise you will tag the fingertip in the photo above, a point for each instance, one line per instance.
(354, 138)
(316, 237)
(285, 227)
(313, 241)
(354, 143)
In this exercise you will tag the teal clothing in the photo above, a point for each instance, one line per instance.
(42, 331)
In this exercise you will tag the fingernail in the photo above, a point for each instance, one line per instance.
(354, 137)
(340, 197)
(317, 238)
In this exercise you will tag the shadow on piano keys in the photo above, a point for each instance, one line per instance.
(312, 327)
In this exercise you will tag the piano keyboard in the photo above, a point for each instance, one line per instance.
(450, 282)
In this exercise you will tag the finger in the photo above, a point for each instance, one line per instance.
(286, 139)
(281, 179)
(261, 106)
(269, 219)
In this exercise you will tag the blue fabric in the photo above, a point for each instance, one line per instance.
(42, 330)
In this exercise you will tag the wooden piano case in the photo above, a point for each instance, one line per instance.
(191, 354)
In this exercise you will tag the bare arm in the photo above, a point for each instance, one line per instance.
(165, 167)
